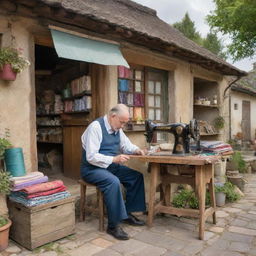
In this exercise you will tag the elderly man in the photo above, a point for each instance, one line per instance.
(105, 149)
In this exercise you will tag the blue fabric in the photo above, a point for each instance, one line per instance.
(123, 85)
(17, 197)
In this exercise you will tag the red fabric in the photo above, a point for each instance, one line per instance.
(46, 193)
(43, 187)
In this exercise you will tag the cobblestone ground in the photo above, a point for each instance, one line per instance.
(233, 235)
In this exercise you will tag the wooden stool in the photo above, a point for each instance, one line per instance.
(100, 210)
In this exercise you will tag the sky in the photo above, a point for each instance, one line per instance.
(172, 11)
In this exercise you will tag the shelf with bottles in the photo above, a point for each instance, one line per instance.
(77, 96)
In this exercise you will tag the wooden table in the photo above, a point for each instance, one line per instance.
(203, 173)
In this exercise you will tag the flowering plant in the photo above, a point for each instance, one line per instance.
(13, 57)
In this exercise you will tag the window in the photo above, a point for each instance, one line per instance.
(144, 90)
(235, 106)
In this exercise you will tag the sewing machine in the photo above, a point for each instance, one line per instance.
(182, 133)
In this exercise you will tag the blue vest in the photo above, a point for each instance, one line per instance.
(110, 145)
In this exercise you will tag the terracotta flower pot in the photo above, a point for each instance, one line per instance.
(7, 73)
(4, 235)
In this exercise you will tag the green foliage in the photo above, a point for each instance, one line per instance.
(229, 189)
(211, 42)
(187, 27)
(186, 199)
(5, 182)
(238, 161)
(4, 142)
(231, 195)
(237, 19)
(219, 122)
(12, 56)
(3, 221)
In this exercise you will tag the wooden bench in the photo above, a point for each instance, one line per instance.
(83, 206)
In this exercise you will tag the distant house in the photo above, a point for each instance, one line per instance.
(96, 54)
(243, 107)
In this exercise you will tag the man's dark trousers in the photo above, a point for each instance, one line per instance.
(108, 181)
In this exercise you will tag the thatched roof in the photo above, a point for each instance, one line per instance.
(247, 84)
(143, 21)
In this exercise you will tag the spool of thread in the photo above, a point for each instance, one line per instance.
(14, 161)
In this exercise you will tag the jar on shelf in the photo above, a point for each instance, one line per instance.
(215, 100)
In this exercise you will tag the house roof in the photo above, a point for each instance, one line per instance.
(247, 84)
(143, 21)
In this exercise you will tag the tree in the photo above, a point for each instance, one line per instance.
(187, 27)
(213, 44)
(237, 19)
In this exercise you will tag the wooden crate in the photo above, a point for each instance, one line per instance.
(38, 225)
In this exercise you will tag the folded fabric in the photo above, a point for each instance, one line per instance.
(44, 193)
(43, 187)
(29, 183)
(39, 200)
(30, 176)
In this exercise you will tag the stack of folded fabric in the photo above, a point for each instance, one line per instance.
(18, 183)
(217, 147)
(40, 193)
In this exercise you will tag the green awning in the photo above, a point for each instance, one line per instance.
(79, 48)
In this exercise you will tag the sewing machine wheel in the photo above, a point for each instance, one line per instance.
(194, 129)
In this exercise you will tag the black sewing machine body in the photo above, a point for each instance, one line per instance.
(182, 134)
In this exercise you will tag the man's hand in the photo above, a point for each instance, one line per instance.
(120, 159)
(140, 152)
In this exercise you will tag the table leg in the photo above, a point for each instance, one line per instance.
(200, 181)
(212, 195)
(152, 192)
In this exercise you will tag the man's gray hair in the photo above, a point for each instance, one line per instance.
(119, 109)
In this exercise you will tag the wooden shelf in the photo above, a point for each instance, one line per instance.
(77, 112)
(207, 106)
(209, 134)
(53, 114)
(77, 96)
(49, 142)
(48, 126)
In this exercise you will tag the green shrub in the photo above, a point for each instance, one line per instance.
(5, 182)
(239, 162)
(231, 194)
(229, 190)
(3, 221)
(186, 199)
(4, 142)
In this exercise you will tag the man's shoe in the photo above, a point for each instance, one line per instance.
(134, 221)
(118, 233)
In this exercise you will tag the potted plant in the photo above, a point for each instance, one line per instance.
(11, 63)
(5, 222)
(225, 191)
(220, 194)
(219, 122)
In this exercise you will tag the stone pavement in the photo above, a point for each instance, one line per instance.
(233, 235)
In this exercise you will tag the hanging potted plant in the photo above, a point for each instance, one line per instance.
(5, 222)
(11, 63)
